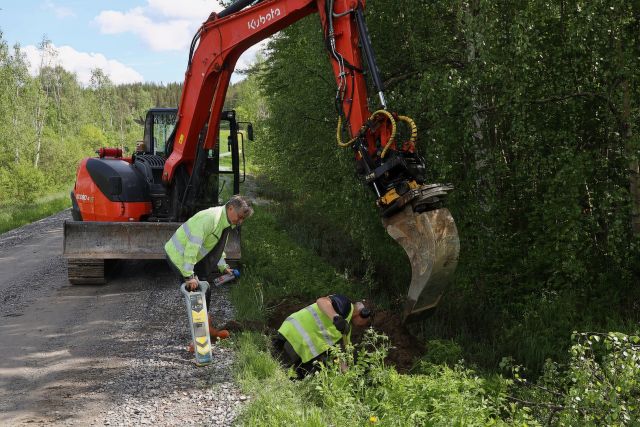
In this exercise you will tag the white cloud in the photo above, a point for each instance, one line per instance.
(196, 10)
(167, 25)
(60, 11)
(159, 36)
(162, 24)
(82, 63)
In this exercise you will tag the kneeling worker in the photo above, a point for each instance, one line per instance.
(203, 234)
(306, 336)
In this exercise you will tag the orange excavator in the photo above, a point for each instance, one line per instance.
(128, 207)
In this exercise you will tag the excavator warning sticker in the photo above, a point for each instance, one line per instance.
(181, 140)
(258, 22)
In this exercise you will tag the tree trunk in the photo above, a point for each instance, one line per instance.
(473, 41)
(14, 122)
(634, 189)
(39, 123)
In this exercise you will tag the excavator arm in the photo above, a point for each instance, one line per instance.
(412, 210)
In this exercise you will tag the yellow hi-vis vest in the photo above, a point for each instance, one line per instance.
(310, 332)
(194, 239)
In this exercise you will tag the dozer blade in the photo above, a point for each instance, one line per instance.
(431, 241)
(87, 245)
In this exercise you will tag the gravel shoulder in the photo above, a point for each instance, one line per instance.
(101, 355)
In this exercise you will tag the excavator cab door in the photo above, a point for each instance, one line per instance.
(158, 128)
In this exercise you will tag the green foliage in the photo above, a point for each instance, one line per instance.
(439, 352)
(276, 267)
(49, 122)
(14, 216)
(368, 392)
(528, 110)
(600, 384)
(275, 401)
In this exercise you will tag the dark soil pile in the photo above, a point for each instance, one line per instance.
(405, 347)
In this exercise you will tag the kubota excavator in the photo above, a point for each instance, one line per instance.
(128, 207)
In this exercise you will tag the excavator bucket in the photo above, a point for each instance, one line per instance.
(431, 241)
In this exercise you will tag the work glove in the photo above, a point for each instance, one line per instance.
(340, 323)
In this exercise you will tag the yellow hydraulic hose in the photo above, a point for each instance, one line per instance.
(339, 135)
(394, 129)
(412, 125)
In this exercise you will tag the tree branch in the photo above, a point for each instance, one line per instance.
(528, 403)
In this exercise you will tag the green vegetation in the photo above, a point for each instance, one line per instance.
(367, 394)
(50, 121)
(275, 268)
(599, 386)
(529, 110)
(14, 216)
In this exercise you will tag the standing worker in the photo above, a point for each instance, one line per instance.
(306, 336)
(203, 234)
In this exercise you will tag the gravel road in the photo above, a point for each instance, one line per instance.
(101, 355)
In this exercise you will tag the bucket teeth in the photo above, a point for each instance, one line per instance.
(431, 242)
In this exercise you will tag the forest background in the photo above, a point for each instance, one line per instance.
(529, 109)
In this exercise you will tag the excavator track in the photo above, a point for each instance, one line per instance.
(86, 271)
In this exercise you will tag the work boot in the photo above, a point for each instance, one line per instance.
(191, 348)
(215, 333)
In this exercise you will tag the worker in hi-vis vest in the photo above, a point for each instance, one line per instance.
(306, 336)
(205, 232)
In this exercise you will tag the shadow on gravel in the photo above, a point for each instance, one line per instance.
(74, 348)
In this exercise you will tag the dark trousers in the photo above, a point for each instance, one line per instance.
(180, 280)
(284, 352)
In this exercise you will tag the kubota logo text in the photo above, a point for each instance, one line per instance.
(254, 24)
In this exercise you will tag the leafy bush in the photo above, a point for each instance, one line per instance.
(370, 391)
(599, 386)
(440, 352)
(22, 182)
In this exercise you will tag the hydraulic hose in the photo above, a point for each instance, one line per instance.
(414, 129)
(235, 7)
(363, 129)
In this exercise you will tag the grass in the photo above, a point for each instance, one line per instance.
(17, 215)
(276, 401)
(275, 268)
(368, 393)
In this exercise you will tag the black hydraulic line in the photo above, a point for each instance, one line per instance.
(365, 39)
(195, 39)
(235, 7)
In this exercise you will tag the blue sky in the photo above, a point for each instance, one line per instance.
(132, 40)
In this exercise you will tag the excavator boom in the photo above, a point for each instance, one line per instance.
(411, 209)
